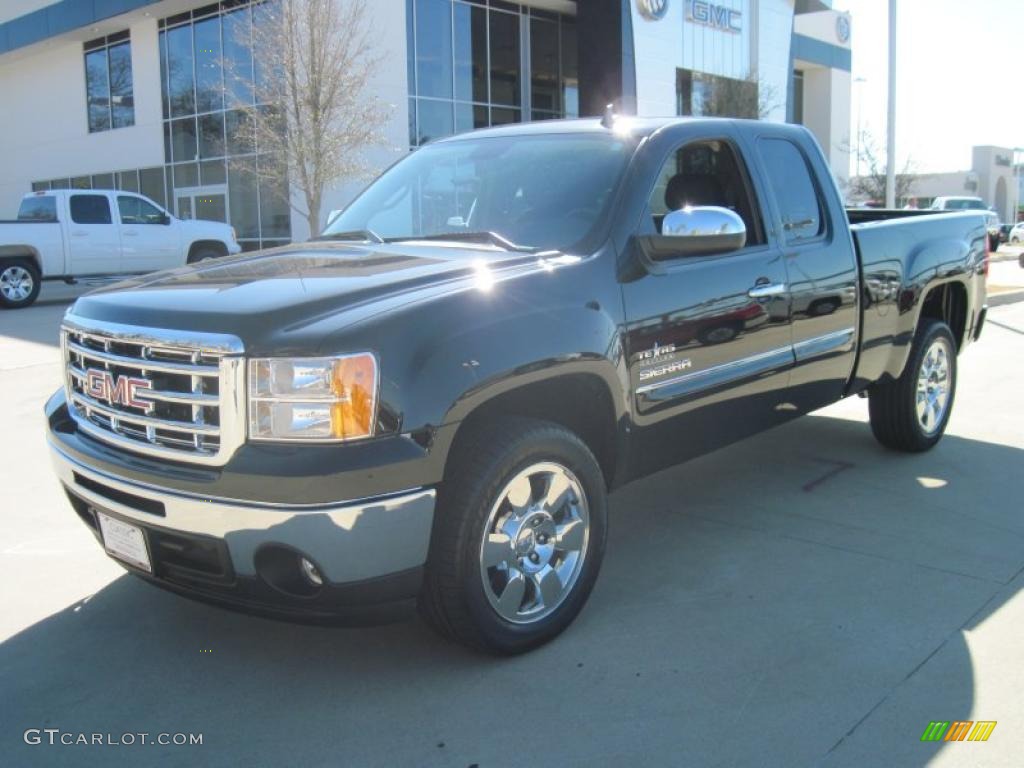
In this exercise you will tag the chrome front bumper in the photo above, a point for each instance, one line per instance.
(351, 542)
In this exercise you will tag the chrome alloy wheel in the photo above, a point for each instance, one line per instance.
(16, 283)
(534, 543)
(933, 386)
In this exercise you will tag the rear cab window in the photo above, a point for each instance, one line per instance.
(90, 209)
(795, 191)
(38, 208)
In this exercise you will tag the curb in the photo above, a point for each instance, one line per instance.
(1010, 297)
(998, 257)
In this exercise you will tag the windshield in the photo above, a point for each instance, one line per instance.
(542, 191)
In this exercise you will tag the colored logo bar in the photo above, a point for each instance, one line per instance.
(958, 730)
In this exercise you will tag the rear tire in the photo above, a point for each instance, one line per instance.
(19, 283)
(910, 413)
(518, 538)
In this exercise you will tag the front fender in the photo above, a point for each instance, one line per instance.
(448, 353)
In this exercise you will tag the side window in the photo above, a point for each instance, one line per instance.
(42, 208)
(790, 179)
(135, 210)
(149, 213)
(129, 208)
(90, 209)
(706, 173)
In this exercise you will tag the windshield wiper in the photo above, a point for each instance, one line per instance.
(491, 238)
(353, 234)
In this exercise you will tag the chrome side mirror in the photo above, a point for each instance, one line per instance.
(703, 231)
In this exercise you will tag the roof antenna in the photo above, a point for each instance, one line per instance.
(608, 120)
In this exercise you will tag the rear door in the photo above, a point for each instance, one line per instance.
(820, 264)
(708, 340)
(94, 238)
(149, 240)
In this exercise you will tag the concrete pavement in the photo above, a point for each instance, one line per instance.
(1005, 278)
(802, 598)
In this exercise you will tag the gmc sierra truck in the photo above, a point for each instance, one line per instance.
(432, 400)
(68, 234)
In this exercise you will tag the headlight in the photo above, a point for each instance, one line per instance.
(319, 399)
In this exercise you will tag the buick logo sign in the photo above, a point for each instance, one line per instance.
(653, 10)
(843, 29)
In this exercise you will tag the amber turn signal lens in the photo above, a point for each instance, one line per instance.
(355, 386)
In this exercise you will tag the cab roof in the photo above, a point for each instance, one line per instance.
(636, 127)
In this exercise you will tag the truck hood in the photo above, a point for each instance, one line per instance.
(281, 297)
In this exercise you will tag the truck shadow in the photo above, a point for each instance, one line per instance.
(786, 601)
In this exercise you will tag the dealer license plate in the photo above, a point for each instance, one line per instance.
(125, 542)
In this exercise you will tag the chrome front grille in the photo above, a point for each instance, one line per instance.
(163, 393)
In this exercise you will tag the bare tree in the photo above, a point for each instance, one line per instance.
(315, 116)
(871, 184)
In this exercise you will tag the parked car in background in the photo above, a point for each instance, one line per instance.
(951, 203)
(1016, 236)
(64, 234)
(432, 399)
(958, 204)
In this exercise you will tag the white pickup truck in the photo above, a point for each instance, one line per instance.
(65, 234)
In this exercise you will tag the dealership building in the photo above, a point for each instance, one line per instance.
(131, 94)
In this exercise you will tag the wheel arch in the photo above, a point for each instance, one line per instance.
(947, 302)
(198, 245)
(12, 252)
(581, 401)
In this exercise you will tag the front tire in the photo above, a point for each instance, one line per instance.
(204, 253)
(518, 537)
(19, 283)
(910, 413)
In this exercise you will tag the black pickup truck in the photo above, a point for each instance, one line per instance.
(432, 400)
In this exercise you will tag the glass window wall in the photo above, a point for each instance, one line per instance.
(468, 65)
(208, 67)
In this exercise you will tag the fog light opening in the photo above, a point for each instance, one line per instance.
(311, 572)
(289, 571)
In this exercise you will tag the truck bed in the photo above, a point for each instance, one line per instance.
(900, 252)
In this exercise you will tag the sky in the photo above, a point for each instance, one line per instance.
(957, 63)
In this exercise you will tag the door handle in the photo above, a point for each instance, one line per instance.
(130, 233)
(791, 226)
(766, 290)
(79, 233)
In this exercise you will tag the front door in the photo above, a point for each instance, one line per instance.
(150, 240)
(708, 340)
(205, 203)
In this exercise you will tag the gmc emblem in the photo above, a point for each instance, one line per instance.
(101, 385)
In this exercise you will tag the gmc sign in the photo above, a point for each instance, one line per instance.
(123, 390)
(715, 16)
